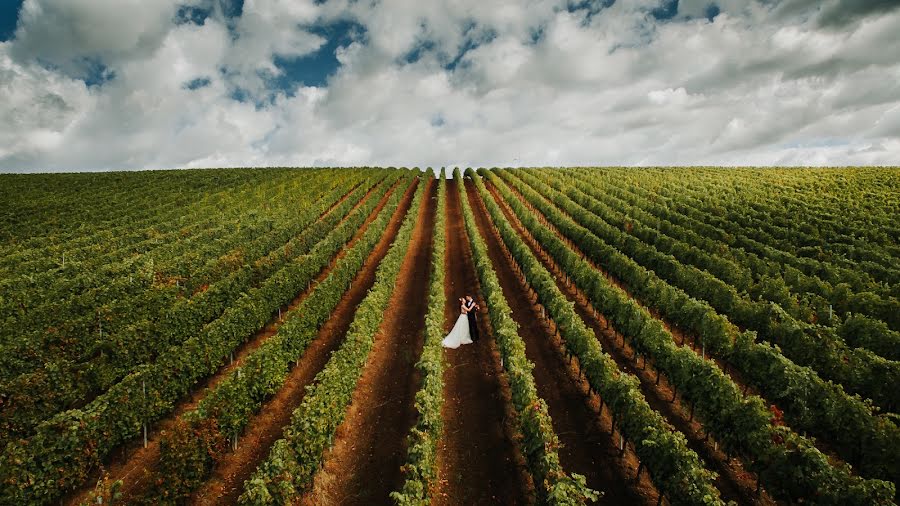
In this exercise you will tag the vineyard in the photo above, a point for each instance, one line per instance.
(273, 336)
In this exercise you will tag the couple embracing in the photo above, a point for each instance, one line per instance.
(465, 331)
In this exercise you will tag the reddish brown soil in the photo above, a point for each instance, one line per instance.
(266, 427)
(733, 482)
(588, 447)
(134, 463)
(478, 461)
(363, 466)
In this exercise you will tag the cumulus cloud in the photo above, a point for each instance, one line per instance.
(94, 85)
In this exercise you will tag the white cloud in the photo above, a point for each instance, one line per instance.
(534, 84)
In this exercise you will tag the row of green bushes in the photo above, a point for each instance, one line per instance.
(790, 466)
(798, 293)
(822, 408)
(152, 327)
(67, 448)
(857, 370)
(188, 454)
(539, 441)
(674, 468)
(289, 469)
(420, 469)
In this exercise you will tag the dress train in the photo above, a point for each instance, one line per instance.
(459, 334)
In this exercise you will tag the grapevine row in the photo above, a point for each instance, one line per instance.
(858, 370)
(187, 455)
(420, 469)
(810, 404)
(540, 442)
(37, 396)
(674, 468)
(787, 463)
(294, 459)
(68, 446)
(742, 268)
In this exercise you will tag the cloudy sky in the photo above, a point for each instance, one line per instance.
(130, 84)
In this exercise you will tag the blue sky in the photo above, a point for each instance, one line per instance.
(9, 14)
(314, 69)
(192, 83)
(310, 70)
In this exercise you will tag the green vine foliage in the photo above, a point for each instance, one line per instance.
(539, 441)
(844, 234)
(858, 370)
(804, 297)
(295, 458)
(140, 318)
(675, 469)
(69, 446)
(420, 469)
(231, 404)
(819, 407)
(790, 466)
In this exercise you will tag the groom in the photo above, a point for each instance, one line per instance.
(471, 309)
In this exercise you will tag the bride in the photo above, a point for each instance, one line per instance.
(460, 333)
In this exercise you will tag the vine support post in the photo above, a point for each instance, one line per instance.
(144, 391)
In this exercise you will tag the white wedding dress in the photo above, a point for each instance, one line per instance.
(459, 334)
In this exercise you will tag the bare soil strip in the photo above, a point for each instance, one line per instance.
(363, 466)
(589, 447)
(734, 482)
(477, 459)
(134, 463)
(264, 428)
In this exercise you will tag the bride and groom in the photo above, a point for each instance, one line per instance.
(465, 331)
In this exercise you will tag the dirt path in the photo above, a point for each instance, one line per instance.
(134, 463)
(363, 466)
(733, 482)
(266, 427)
(477, 461)
(589, 447)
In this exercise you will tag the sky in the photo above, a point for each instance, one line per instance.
(154, 84)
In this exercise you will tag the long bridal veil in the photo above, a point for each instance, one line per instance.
(459, 334)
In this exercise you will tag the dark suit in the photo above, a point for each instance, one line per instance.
(473, 322)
